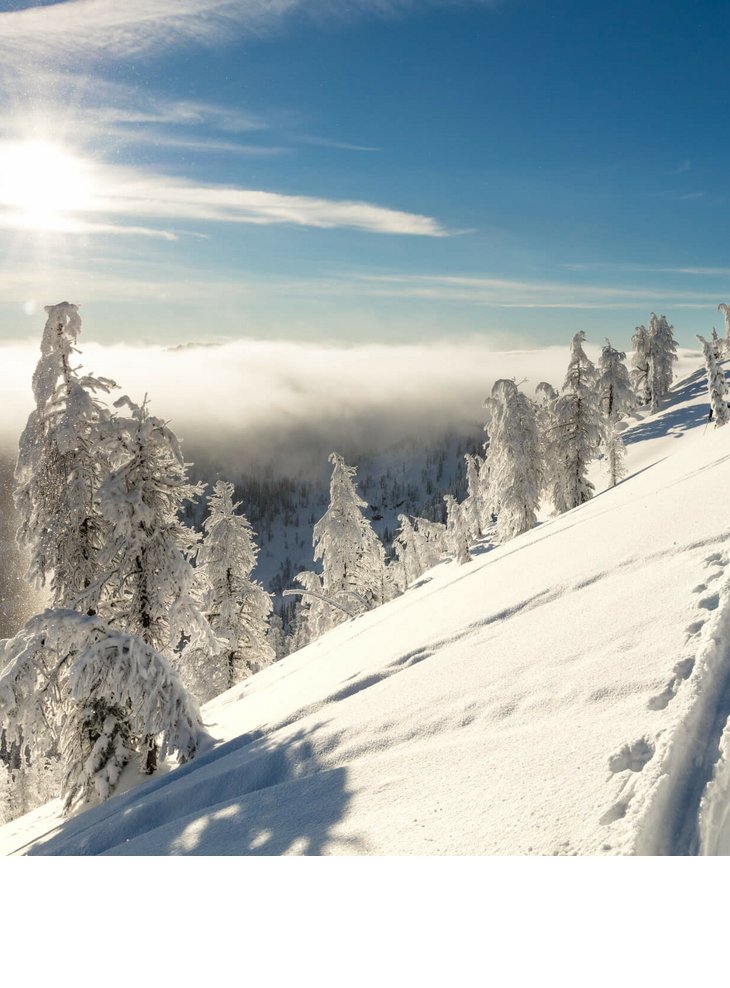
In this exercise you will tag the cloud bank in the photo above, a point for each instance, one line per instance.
(255, 405)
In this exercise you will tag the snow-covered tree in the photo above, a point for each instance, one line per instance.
(515, 461)
(617, 398)
(717, 345)
(352, 555)
(238, 609)
(545, 398)
(640, 363)
(663, 354)
(655, 351)
(575, 433)
(716, 384)
(457, 530)
(314, 613)
(614, 387)
(7, 809)
(148, 558)
(69, 679)
(62, 460)
(418, 546)
(475, 505)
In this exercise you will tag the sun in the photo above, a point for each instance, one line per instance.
(42, 185)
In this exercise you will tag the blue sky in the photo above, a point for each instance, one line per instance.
(372, 170)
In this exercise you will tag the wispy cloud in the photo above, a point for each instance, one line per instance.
(83, 28)
(527, 294)
(327, 142)
(714, 272)
(107, 197)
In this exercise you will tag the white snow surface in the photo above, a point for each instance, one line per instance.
(564, 693)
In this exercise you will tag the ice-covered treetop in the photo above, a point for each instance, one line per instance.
(342, 483)
(62, 327)
(59, 336)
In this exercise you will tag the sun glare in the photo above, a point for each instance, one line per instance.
(42, 185)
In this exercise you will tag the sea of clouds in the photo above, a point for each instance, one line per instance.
(283, 406)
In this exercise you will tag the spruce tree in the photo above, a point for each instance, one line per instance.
(641, 364)
(63, 458)
(238, 609)
(576, 431)
(663, 354)
(457, 530)
(716, 385)
(418, 546)
(515, 462)
(148, 557)
(475, 505)
(354, 575)
(617, 398)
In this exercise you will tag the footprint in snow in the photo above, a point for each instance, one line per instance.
(716, 557)
(632, 757)
(710, 602)
(615, 812)
(681, 672)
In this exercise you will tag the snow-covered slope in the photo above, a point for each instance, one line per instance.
(564, 693)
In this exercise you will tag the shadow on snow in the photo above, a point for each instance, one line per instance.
(248, 796)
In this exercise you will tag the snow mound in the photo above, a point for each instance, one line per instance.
(565, 693)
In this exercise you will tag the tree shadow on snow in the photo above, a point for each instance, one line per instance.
(249, 796)
(674, 421)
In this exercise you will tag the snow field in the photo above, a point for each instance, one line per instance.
(561, 694)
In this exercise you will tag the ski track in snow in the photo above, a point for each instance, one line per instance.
(689, 789)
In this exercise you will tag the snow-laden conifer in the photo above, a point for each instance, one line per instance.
(62, 461)
(576, 431)
(515, 462)
(475, 505)
(457, 530)
(69, 679)
(641, 364)
(716, 384)
(354, 575)
(663, 354)
(148, 557)
(314, 612)
(352, 555)
(617, 398)
(418, 546)
(237, 608)
(545, 398)
(614, 387)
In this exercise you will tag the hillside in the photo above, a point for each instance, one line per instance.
(562, 694)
